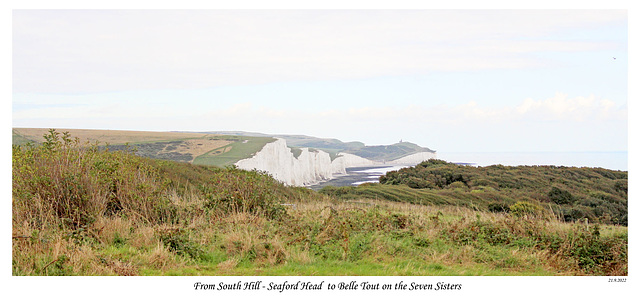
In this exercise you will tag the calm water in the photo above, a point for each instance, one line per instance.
(357, 176)
(608, 160)
(371, 175)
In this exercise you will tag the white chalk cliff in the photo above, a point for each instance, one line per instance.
(311, 167)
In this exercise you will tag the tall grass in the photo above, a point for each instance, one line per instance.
(65, 191)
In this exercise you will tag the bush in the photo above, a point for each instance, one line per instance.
(578, 214)
(457, 185)
(560, 196)
(525, 209)
(498, 207)
(178, 241)
(600, 255)
(52, 183)
(418, 183)
(621, 185)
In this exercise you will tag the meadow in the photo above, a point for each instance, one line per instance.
(81, 210)
(240, 148)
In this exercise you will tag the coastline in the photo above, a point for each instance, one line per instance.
(608, 160)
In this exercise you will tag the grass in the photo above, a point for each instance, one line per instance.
(241, 148)
(19, 139)
(242, 244)
(110, 136)
(79, 210)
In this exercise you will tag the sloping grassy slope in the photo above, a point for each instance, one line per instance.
(242, 147)
(388, 152)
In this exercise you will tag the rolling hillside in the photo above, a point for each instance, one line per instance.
(197, 148)
(216, 148)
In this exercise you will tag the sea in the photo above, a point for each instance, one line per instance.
(608, 160)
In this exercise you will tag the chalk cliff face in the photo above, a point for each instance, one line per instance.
(278, 160)
(310, 167)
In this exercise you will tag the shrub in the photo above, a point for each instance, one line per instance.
(178, 241)
(417, 183)
(498, 207)
(52, 183)
(457, 185)
(600, 255)
(578, 213)
(524, 209)
(560, 196)
(236, 190)
(621, 185)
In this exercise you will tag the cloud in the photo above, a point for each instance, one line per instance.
(103, 50)
(560, 107)
(196, 115)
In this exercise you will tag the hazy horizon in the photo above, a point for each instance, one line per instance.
(450, 80)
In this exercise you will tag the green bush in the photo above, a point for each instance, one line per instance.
(524, 209)
(599, 255)
(237, 190)
(578, 214)
(560, 196)
(621, 185)
(178, 241)
(498, 207)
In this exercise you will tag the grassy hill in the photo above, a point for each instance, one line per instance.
(111, 137)
(566, 193)
(197, 148)
(388, 152)
(239, 148)
(79, 210)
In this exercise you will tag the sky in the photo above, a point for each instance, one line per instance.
(451, 80)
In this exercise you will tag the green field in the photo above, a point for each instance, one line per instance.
(242, 147)
(197, 148)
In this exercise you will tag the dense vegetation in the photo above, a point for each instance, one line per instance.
(81, 210)
(568, 193)
(154, 150)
